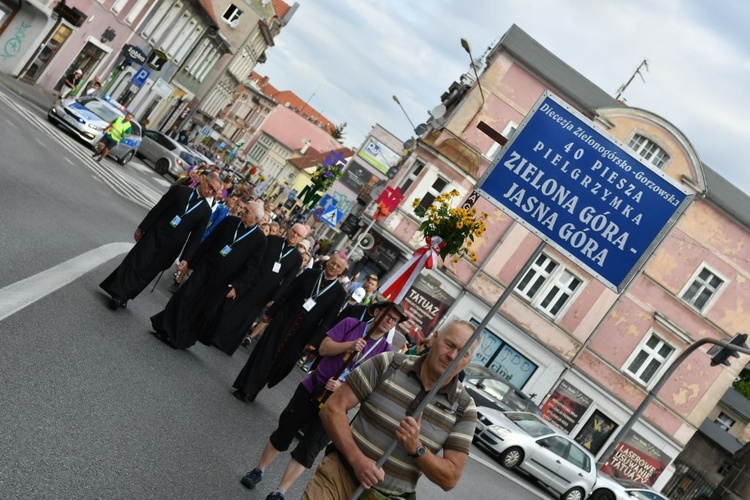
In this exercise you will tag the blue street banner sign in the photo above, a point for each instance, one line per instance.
(327, 201)
(140, 77)
(583, 192)
(332, 216)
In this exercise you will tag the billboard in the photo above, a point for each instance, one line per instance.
(565, 406)
(378, 155)
(637, 459)
(425, 303)
(583, 192)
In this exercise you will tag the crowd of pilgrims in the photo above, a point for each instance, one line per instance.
(242, 270)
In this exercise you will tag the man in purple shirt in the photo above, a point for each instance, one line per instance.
(346, 346)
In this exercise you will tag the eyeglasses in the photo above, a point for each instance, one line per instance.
(392, 318)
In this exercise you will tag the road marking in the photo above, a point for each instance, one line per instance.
(508, 475)
(142, 168)
(126, 187)
(163, 182)
(69, 161)
(23, 293)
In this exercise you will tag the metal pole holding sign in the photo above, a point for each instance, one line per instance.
(446, 374)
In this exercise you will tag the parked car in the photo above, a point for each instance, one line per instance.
(199, 157)
(87, 117)
(523, 440)
(167, 155)
(610, 488)
(490, 389)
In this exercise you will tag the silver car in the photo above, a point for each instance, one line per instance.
(609, 488)
(490, 389)
(87, 118)
(523, 440)
(167, 155)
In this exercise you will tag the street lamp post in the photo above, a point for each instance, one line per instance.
(467, 48)
(405, 114)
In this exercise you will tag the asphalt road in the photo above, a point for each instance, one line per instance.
(91, 405)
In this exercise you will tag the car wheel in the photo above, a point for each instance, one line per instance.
(602, 495)
(162, 166)
(125, 159)
(512, 457)
(573, 494)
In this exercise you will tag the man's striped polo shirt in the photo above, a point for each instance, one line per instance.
(382, 410)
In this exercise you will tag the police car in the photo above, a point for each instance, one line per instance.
(87, 117)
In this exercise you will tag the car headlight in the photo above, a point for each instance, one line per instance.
(500, 430)
(98, 128)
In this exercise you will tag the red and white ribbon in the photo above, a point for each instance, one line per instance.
(424, 258)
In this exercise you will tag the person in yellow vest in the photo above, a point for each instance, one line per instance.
(113, 134)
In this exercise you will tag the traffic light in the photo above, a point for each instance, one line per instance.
(720, 355)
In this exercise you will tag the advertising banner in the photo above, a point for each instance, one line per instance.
(356, 177)
(583, 192)
(378, 155)
(596, 431)
(637, 459)
(425, 303)
(565, 406)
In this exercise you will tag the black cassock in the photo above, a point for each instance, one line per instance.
(238, 315)
(161, 243)
(290, 329)
(195, 303)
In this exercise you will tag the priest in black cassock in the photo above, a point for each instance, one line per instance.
(280, 265)
(226, 261)
(180, 215)
(310, 302)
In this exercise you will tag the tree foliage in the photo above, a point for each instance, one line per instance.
(742, 382)
(338, 132)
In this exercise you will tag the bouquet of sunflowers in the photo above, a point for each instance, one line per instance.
(457, 227)
(325, 175)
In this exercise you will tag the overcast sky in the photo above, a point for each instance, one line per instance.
(349, 57)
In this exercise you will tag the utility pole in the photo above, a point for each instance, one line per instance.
(621, 90)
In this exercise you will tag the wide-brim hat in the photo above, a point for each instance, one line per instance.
(379, 304)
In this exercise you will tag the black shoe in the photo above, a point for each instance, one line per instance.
(173, 288)
(242, 396)
(116, 302)
(252, 478)
(161, 335)
(246, 342)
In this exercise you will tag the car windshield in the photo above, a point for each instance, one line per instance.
(103, 110)
(531, 424)
(491, 386)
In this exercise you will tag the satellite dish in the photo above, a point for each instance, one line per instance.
(366, 241)
(421, 129)
(438, 111)
(409, 144)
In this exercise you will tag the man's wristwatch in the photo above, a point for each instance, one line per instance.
(420, 451)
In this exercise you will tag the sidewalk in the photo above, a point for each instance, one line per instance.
(30, 92)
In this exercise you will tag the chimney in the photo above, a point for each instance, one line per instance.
(305, 146)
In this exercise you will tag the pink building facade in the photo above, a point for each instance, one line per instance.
(589, 355)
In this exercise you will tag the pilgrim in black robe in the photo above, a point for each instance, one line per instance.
(160, 243)
(236, 317)
(191, 308)
(290, 329)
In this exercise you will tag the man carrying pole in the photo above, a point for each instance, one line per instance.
(389, 399)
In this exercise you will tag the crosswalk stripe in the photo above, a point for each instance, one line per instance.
(127, 188)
